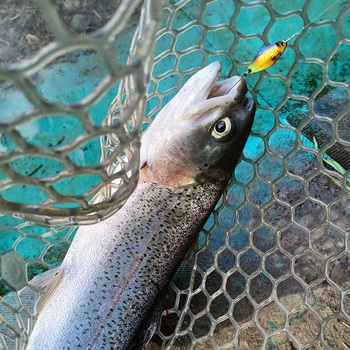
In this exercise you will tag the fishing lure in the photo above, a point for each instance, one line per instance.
(270, 54)
(266, 57)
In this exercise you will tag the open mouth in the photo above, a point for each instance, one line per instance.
(203, 91)
(233, 88)
(233, 85)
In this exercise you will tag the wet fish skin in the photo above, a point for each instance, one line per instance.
(115, 272)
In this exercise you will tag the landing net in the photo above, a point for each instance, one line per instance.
(270, 269)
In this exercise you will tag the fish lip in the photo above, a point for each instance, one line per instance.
(203, 93)
(232, 88)
(214, 70)
(204, 86)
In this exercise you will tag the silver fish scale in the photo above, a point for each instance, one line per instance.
(270, 269)
(173, 226)
(153, 232)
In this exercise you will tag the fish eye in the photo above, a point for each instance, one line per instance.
(223, 129)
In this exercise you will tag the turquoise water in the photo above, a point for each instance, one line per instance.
(70, 81)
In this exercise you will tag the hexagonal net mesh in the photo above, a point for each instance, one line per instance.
(271, 268)
(65, 159)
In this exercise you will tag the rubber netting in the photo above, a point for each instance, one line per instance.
(271, 268)
(65, 159)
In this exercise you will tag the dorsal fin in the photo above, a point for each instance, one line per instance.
(51, 287)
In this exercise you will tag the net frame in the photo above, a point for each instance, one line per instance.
(119, 133)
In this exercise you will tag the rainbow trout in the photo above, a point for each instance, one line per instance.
(105, 293)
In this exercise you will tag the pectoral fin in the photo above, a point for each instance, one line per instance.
(41, 281)
(48, 282)
(49, 290)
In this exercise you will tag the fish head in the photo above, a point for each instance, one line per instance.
(200, 134)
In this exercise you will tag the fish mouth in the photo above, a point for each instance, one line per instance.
(232, 90)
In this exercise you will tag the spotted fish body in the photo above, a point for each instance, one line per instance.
(117, 271)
